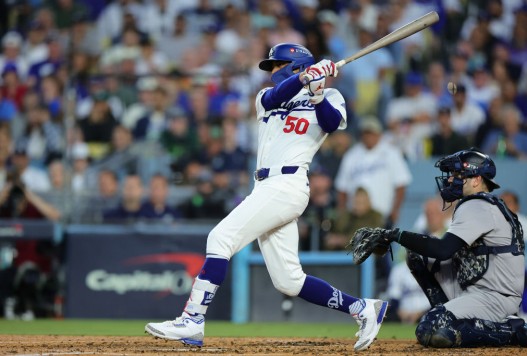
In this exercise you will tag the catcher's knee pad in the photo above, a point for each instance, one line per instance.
(425, 278)
(437, 328)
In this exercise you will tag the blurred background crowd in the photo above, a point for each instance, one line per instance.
(127, 110)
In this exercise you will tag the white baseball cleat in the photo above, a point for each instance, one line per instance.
(370, 320)
(187, 329)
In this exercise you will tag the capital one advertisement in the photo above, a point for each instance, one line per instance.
(135, 275)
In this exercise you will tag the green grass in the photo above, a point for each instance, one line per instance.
(213, 329)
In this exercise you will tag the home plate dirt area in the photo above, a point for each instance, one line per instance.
(145, 345)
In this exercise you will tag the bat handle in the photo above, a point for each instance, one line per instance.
(340, 63)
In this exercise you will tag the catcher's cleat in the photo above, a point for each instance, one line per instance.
(188, 329)
(370, 320)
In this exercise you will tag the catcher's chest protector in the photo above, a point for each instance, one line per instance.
(471, 262)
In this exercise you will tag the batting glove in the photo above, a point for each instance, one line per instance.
(325, 67)
(316, 89)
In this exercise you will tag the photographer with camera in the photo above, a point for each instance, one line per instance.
(30, 284)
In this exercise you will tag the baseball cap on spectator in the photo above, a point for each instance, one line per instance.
(80, 150)
(9, 67)
(370, 124)
(12, 39)
(413, 78)
(147, 84)
(328, 16)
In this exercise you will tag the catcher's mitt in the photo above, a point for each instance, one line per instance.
(367, 240)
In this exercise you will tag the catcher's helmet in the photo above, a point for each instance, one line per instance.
(464, 164)
(298, 56)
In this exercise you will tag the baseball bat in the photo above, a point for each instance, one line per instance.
(394, 36)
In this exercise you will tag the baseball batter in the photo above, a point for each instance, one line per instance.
(294, 118)
(473, 276)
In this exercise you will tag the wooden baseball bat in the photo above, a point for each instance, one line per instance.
(397, 35)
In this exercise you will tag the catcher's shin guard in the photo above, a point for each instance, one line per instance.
(425, 279)
(439, 328)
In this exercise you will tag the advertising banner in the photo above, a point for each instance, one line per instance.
(126, 273)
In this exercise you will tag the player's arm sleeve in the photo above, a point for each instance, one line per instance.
(283, 92)
(328, 117)
(430, 246)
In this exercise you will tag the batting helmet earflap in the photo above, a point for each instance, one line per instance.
(297, 55)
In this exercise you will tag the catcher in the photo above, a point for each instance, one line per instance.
(473, 274)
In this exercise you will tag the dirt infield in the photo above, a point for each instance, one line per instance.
(114, 345)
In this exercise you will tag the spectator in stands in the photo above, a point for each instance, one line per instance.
(330, 154)
(65, 11)
(508, 140)
(315, 222)
(378, 167)
(346, 222)
(41, 136)
(150, 60)
(145, 87)
(445, 140)
(156, 206)
(35, 48)
(206, 203)
(466, 116)
(458, 63)
(81, 180)
(180, 140)
(8, 109)
(51, 96)
(98, 126)
(369, 76)
(49, 66)
(91, 203)
(12, 88)
(151, 126)
(5, 147)
(126, 48)
(179, 41)
(484, 88)
(129, 209)
(409, 117)
(34, 179)
(11, 48)
(60, 195)
(123, 156)
(436, 81)
(33, 267)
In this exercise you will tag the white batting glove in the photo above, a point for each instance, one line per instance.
(324, 67)
(316, 89)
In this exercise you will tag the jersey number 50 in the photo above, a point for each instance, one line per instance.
(297, 124)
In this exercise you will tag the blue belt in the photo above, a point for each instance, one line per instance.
(263, 173)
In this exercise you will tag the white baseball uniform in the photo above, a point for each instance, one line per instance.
(289, 136)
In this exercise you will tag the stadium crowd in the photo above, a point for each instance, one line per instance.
(117, 111)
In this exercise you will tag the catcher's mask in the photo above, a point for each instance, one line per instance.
(461, 165)
(298, 57)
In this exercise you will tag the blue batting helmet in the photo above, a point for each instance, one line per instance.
(298, 56)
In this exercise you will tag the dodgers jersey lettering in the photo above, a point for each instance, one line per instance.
(290, 135)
